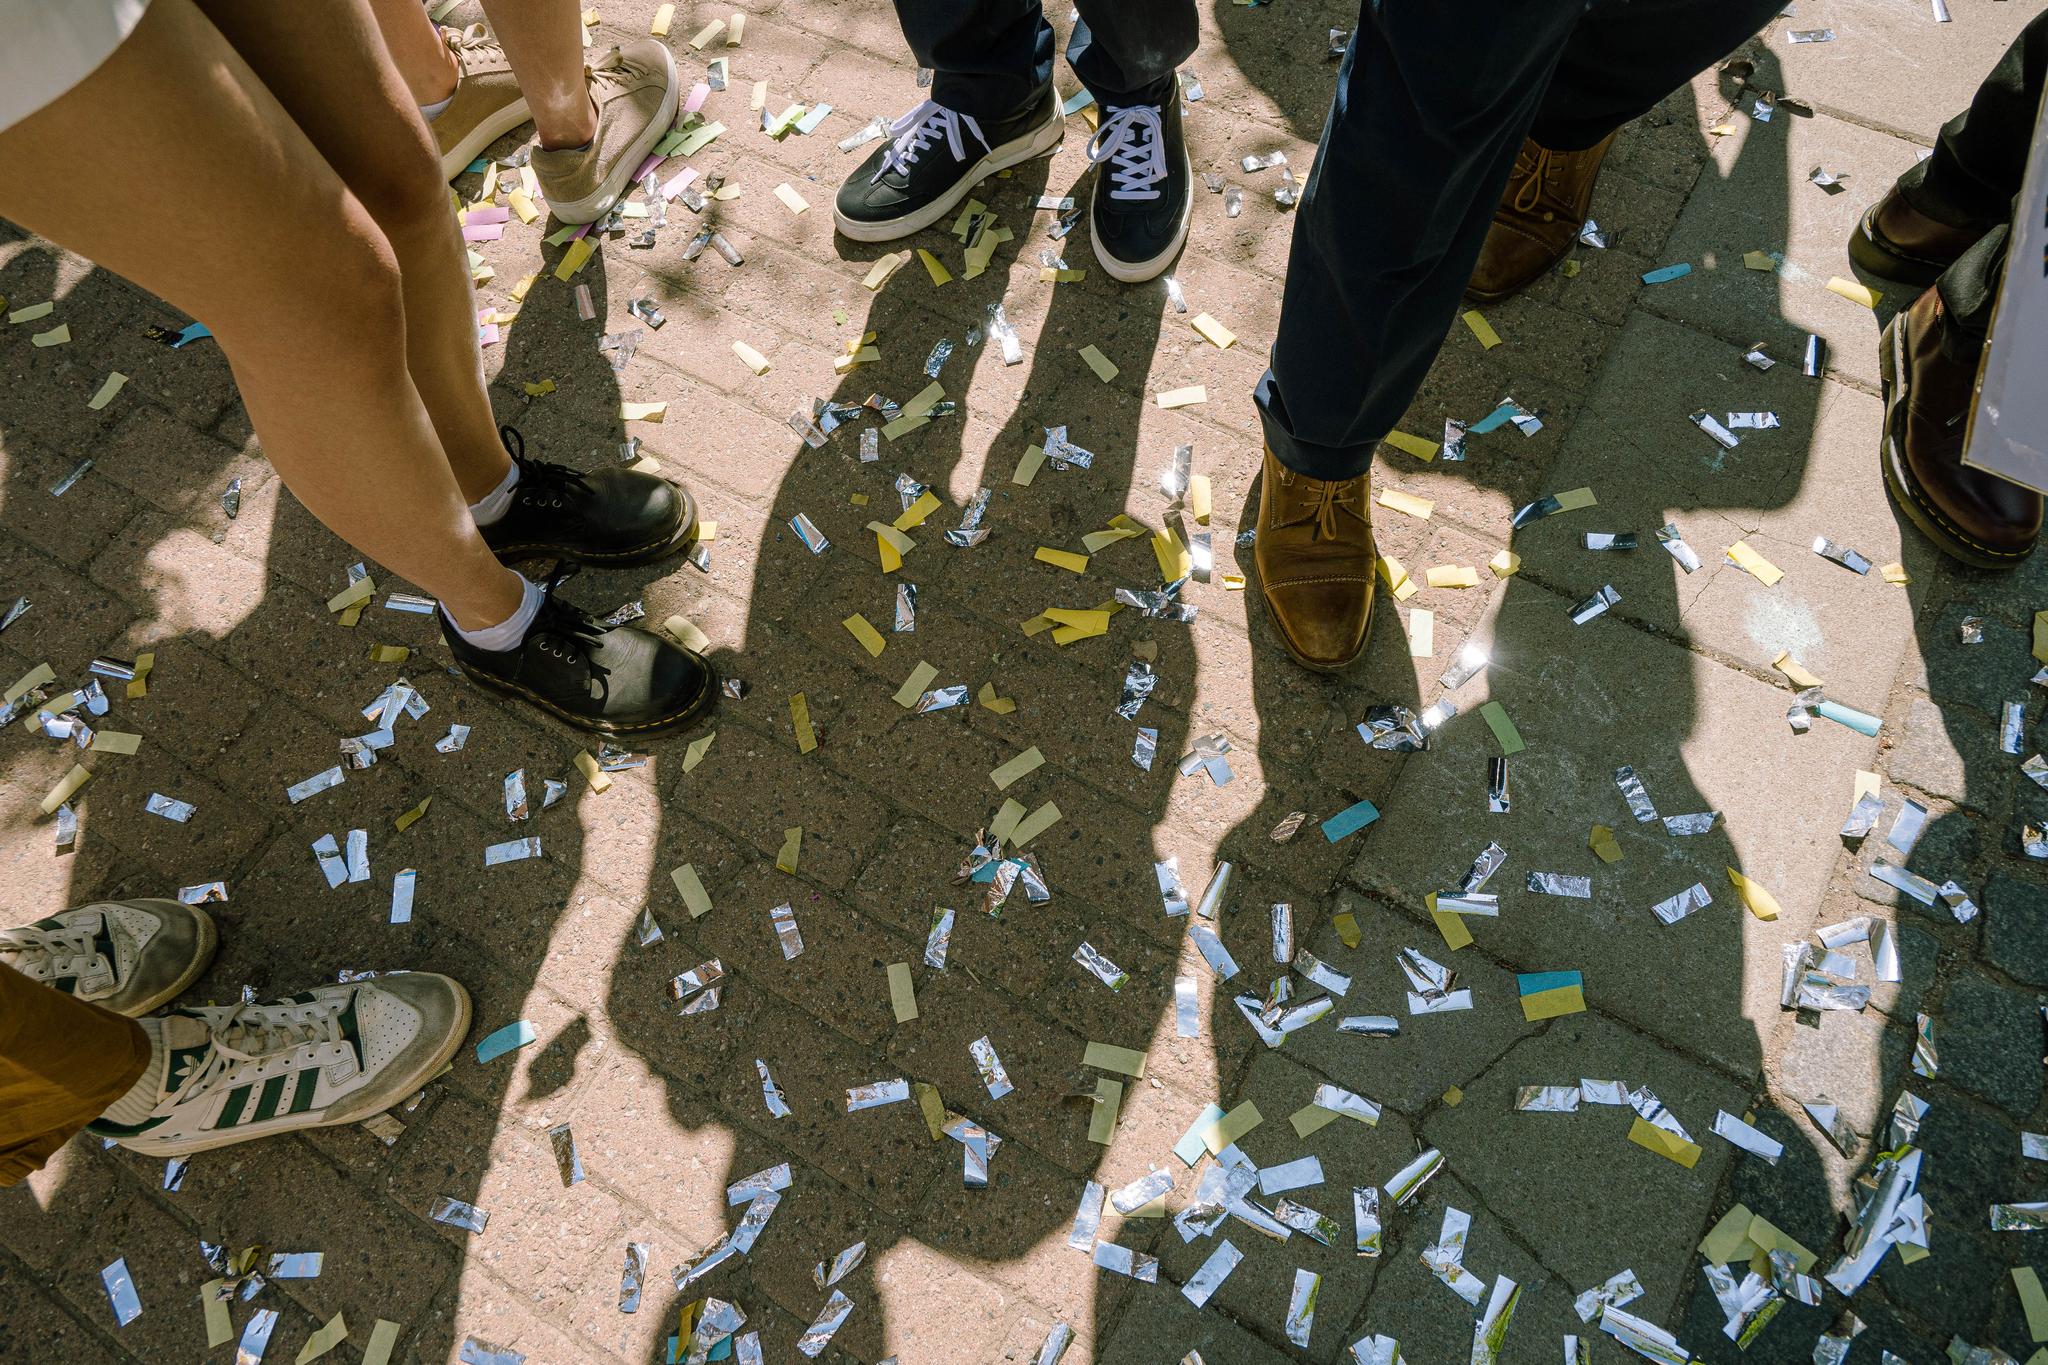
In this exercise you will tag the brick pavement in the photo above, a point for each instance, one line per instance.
(254, 684)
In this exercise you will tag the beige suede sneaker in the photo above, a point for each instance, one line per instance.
(634, 88)
(487, 103)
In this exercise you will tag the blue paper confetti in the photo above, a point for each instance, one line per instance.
(1665, 274)
(1350, 820)
(515, 1035)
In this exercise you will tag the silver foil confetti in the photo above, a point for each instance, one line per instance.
(842, 1265)
(328, 853)
(1610, 540)
(1757, 358)
(121, 1295)
(1677, 907)
(1187, 1016)
(458, 1214)
(1813, 361)
(1301, 1306)
(1547, 1099)
(1702, 822)
(879, 1093)
(78, 471)
(1753, 421)
(1056, 1342)
(403, 886)
(633, 1277)
(1471, 661)
(452, 742)
(1596, 604)
(204, 893)
(971, 532)
(783, 918)
(1723, 437)
(906, 608)
(1639, 803)
(1100, 967)
(1172, 894)
(1204, 1283)
(991, 1068)
(808, 532)
(169, 808)
(703, 976)
(1560, 884)
(1407, 1182)
(2012, 727)
(1497, 799)
(256, 1338)
(318, 782)
(1365, 1217)
(1371, 1025)
(1145, 746)
(1748, 1138)
(829, 1320)
(568, 1161)
(512, 851)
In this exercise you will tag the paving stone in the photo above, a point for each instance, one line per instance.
(2016, 928)
(1987, 1035)
(1969, 1154)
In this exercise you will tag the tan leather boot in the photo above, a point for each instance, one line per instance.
(1316, 560)
(1898, 242)
(1970, 515)
(1539, 218)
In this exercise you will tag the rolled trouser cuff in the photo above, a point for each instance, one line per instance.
(1332, 463)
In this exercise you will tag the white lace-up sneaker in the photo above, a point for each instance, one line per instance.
(1143, 189)
(127, 956)
(330, 1055)
(933, 157)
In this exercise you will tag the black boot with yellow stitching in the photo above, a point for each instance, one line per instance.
(613, 680)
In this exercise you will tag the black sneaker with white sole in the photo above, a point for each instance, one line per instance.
(934, 156)
(612, 516)
(613, 680)
(1139, 215)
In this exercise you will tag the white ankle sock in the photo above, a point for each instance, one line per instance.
(509, 632)
(498, 501)
(140, 1101)
(433, 111)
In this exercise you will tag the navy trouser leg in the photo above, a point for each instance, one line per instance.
(990, 58)
(1434, 99)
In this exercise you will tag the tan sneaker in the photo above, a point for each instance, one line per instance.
(634, 88)
(127, 956)
(487, 103)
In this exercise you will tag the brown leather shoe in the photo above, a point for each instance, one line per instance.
(1315, 559)
(1539, 218)
(1896, 241)
(1970, 515)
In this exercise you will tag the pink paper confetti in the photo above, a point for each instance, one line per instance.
(649, 164)
(675, 187)
(696, 99)
(489, 213)
(482, 232)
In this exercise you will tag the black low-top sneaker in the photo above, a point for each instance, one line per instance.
(1139, 215)
(614, 680)
(608, 516)
(935, 155)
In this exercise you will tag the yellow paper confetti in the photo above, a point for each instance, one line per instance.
(1854, 292)
(31, 313)
(1035, 824)
(1214, 332)
(1108, 1057)
(68, 785)
(686, 633)
(1754, 564)
(1506, 564)
(1601, 841)
(575, 258)
(1421, 633)
(1099, 363)
(1405, 502)
(1453, 576)
(1175, 562)
(1395, 576)
(643, 412)
(1420, 448)
(891, 544)
(540, 390)
(707, 33)
(879, 273)
(2033, 1302)
(864, 631)
(750, 357)
(914, 515)
(115, 742)
(1062, 559)
(915, 685)
(598, 778)
(354, 595)
(1451, 926)
(1896, 573)
(1220, 1133)
(1028, 466)
(523, 205)
(1071, 625)
(389, 654)
(691, 888)
(734, 29)
(1664, 1143)
(662, 17)
(56, 336)
(1120, 527)
(323, 1341)
(1109, 1095)
(791, 200)
(699, 746)
(1005, 823)
(1481, 328)
(1794, 670)
(902, 994)
(800, 720)
(115, 382)
(1023, 764)
(1346, 925)
(1183, 398)
(1201, 498)
(792, 848)
(934, 267)
(138, 686)
(1760, 902)
(1002, 706)
(220, 1327)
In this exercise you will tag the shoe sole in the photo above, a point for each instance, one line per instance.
(1898, 479)
(483, 135)
(645, 729)
(207, 946)
(1040, 141)
(1886, 262)
(683, 535)
(619, 179)
(419, 1077)
(1137, 272)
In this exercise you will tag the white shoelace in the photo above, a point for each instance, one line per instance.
(1134, 139)
(920, 128)
(251, 1034)
(57, 951)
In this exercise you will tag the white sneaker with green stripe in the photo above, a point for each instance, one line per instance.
(331, 1055)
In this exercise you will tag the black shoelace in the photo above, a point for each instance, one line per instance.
(566, 632)
(541, 484)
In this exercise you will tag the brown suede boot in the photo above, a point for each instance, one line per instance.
(1315, 559)
(1970, 515)
(1539, 218)
(1896, 241)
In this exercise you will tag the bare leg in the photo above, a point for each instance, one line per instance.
(306, 308)
(424, 62)
(324, 64)
(543, 39)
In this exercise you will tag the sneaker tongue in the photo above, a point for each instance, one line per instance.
(182, 1032)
